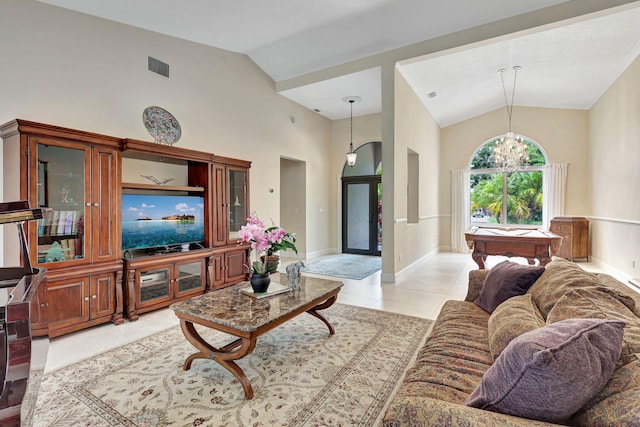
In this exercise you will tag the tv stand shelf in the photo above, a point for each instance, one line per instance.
(156, 281)
(136, 186)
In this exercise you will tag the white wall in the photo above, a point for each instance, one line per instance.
(415, 129)
(293, 203)
(73, 70)
(615, 174)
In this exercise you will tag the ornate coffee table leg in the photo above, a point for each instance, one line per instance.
(225, 356)
(328, 303)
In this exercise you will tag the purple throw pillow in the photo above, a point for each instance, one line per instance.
(506, 280)
(548, 374)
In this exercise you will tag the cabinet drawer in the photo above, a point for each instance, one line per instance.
(560, 228)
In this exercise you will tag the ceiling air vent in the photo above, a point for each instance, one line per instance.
(158, 67)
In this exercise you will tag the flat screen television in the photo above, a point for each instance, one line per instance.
(154, 221)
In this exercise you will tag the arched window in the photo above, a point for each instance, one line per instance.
(506, 198)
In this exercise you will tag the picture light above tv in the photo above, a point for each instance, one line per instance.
(151, 221)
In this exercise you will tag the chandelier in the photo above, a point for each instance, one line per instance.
(351, 155)
(510, 152)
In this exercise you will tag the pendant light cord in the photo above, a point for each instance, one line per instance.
(351, 101)
(513, 92)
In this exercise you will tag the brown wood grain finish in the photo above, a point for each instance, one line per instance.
(529, 244)
(96, 287)
(575, 236)
(166, 290)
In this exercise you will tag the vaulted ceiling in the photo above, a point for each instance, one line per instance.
(564, 66)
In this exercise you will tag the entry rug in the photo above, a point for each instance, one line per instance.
(301, 376)
(345, 265)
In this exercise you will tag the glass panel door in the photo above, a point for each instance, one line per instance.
(154, 284)
(190, 276)
(61, 187)
(362, 215)
(237, 181)
(358, 216)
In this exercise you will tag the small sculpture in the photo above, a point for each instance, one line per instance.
(293, 274)
(54, 253)
(156, 180)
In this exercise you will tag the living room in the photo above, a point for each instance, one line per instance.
(73, 70)
(242, 116)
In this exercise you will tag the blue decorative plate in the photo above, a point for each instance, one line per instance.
(161, 125)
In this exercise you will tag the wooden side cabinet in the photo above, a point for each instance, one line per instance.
(230, 198)
(76, 301)
(228, 266)
(73, 176)
(575, 236)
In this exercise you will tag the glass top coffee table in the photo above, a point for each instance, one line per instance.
(233, 312)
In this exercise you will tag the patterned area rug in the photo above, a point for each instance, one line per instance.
(300, 375)
(345, 265)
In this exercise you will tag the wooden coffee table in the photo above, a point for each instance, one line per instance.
(529, 244)
(230, 311)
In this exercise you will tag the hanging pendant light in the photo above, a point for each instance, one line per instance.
(351, 155)
(510, 152)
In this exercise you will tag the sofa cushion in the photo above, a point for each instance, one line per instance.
(505, 280)
(511, 319)
(617, 403)
(551, 372)
(601, 303)
(455, 356)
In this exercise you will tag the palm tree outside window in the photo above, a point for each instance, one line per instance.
(506, 198)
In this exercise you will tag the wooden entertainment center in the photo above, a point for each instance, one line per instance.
(78, 178)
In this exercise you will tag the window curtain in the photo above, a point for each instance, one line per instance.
(554, 185)
(460, 209)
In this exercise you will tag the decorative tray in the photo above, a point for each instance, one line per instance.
(274, 289)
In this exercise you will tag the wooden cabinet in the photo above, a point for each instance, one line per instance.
(76, 300)
(231, 199)
(575, 236)
(228, 266)
(76, 184)
(80, 180)
(157, 281)
(74, 177)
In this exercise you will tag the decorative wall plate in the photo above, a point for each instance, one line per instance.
(161, 125)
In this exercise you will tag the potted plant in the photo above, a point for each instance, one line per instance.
(264, 242)
(285, 241)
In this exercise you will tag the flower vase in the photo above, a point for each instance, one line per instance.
(260, 282)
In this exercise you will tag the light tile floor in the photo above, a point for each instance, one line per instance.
(421, 291)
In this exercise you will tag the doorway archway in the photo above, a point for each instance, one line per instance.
(362, 202)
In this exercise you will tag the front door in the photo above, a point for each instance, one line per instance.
(362, 215)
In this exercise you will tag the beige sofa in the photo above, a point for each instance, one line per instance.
(457, 353)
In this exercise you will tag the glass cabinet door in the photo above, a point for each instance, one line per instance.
(190, 276)
(154, 284)
(61, 193)
(237, 182)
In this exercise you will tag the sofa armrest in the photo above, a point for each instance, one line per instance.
(424, 411)
(476, 280)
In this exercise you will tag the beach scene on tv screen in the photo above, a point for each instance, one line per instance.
(150, 221)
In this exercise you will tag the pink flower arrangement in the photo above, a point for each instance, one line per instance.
(265, 241)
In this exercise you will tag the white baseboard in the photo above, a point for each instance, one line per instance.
(318, 254)
(608, 269)
(621, 276)
(392, 278)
